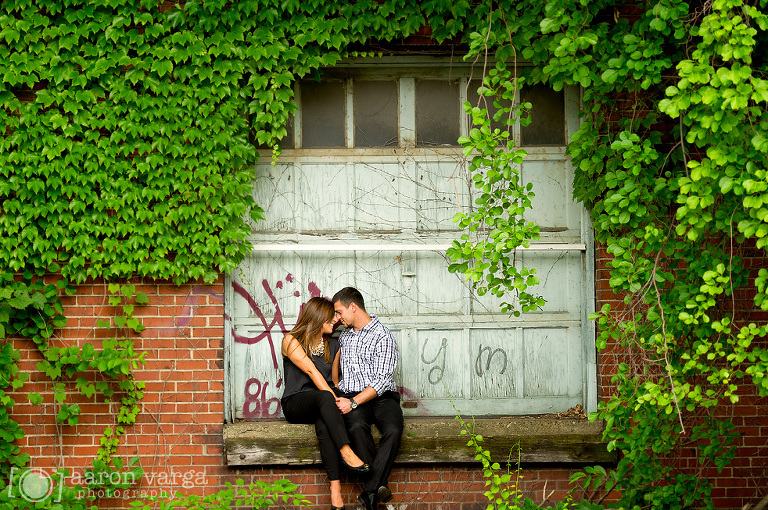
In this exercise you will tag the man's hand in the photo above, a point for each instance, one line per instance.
(343, 405)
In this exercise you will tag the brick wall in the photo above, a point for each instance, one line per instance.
(179, 432)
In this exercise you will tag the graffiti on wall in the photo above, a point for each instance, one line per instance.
(435, 374)
(257, 404)
(487, 362)
(487, 355)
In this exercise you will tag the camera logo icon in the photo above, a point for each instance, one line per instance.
(35, 485)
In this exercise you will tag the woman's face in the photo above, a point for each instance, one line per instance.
(329, 325)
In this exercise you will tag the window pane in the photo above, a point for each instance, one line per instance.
(486, 102)
(547, 125)
(437, 112)
(322, 114)
(375, 113)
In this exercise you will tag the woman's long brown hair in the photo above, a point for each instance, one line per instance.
(310, 324)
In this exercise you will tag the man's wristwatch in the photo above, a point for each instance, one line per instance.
(352, 403)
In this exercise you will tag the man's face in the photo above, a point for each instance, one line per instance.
(344, 313)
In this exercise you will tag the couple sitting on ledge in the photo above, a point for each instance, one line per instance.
(344, 387)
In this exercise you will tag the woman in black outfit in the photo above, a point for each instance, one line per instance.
(310, 370)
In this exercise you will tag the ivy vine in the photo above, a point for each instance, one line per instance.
(670, 161)
(31, 308)
(496, 226)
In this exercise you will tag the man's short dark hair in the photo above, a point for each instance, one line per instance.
(349, 295)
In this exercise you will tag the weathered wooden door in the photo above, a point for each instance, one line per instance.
(379, 219)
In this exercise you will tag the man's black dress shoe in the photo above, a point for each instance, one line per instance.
(384, 495)
(369, 499)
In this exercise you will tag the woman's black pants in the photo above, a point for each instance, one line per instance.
(319, 407)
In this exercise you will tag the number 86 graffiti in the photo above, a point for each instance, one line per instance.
(257, 405)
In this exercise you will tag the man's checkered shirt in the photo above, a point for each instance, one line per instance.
(368, 358)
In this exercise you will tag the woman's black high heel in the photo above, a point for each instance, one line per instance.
(359, 469)
(337, 507)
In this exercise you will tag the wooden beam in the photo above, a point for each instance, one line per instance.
(431, 440)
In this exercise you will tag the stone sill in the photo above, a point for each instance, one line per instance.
(545, 440)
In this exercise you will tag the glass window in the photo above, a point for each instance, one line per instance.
(375, 111)
(547, 125)
(437, 112)
(322, 114)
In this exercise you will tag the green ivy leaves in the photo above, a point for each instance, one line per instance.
(114, 100)
(131, 131)
(10, 431)
(254, 495)
(28, 307)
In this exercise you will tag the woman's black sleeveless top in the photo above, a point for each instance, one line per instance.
(296, 381)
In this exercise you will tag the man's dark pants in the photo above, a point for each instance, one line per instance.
(383, 411)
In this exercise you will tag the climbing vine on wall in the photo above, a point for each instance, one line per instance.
(31, 308)
(129, 134)
(130, 130)
(496, 227)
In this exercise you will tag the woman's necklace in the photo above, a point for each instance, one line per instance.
(318, 349)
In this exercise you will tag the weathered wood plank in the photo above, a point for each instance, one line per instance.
(430, 440)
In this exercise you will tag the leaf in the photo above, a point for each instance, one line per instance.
(162, 67)
(549, 25)
(20, 301)
(610, 75)
(658, 24)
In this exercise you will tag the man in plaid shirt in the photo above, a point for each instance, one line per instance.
(369, 395)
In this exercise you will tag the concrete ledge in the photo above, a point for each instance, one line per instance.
(430, 440)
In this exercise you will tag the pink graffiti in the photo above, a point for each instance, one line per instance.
(411, 396)
(196, 293)
(267, 333)
(314, 290)
(277, 320)
(257, 405)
